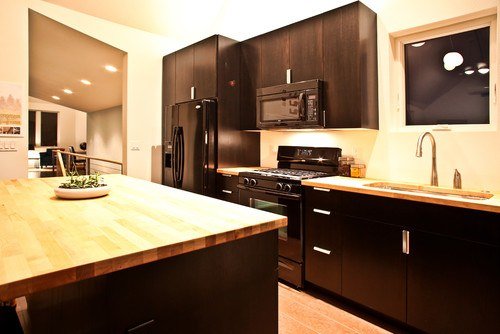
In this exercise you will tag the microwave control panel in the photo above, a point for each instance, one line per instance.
(312, 107)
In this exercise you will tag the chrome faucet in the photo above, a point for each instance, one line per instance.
(434, 176)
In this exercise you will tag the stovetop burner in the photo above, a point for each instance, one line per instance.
(293, 174)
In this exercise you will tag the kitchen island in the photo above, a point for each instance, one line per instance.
(145, 258)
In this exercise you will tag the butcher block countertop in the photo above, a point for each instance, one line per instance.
(47, 242)
(358, 185)
(237, 170)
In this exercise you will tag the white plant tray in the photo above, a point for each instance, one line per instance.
(81, 193)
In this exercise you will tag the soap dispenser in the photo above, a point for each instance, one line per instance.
(457, 180)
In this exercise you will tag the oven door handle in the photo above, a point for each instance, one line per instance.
(271, 192)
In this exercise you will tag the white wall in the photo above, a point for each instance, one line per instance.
(143, 78)
(104, 137)
(142, 104)
(390, 154)
(14, 68)
(71, 123)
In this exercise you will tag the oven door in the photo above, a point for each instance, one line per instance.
(289, 205)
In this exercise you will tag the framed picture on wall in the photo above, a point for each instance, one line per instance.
(11, 111)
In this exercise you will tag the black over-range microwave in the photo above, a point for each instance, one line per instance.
(291, 106)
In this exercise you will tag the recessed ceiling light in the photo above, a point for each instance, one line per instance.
(469, 70)
(85, 82)
(67, 91)
(56, 97)
(417, 45)
(482, 68)
(110, 68)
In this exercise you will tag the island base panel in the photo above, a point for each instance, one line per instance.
(229, 288)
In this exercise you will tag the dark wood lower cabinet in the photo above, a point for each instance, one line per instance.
(227, 187)
(453, 285)
(446, 281)
(228, 288)
(323, 257)
(373, 266)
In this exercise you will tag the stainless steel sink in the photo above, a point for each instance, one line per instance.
(476, 195)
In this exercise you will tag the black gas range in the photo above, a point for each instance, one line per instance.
(279, 190)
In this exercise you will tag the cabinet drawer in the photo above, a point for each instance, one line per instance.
(322, 249)
(227, 187)
(321, 198)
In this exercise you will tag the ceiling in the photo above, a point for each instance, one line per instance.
(59, 57)
(188, 21)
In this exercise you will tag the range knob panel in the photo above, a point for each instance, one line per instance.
(246, 181)
(253, 182)
(279, 186)
(287, 187)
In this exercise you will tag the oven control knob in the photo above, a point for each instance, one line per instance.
(279, 186)
(246, 181)
(287, 187)
(253, 182)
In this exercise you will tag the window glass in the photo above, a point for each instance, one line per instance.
(447, 79)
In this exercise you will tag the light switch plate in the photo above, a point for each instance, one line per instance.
(135, 146)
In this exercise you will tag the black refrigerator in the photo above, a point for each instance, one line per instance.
(190, 147)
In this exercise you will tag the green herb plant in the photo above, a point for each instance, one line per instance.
(82, 182)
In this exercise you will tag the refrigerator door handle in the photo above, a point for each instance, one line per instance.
(174, 156)
(205, 159)
(181, 156)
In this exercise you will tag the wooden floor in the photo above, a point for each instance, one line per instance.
(302, 313)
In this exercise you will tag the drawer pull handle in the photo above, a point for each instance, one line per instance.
(406, 242)
(322, 189)
(227, 191)
(322, 250)
(323, 212)
(226, 175)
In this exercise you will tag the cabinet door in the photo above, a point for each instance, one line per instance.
(322, 242)
(306, 49)
(168, 80)
(453, 285)
(342, 93)
(205, 68)
(227, 189)
(275, 57)
(374, 266)
(250, 63)
(184, 59)
(350, 67)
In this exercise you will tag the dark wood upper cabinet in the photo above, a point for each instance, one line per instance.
(338, 47)
(306, 49)
(350, 67)
(275, 57)
(184, 66)
(168, 80)
(212, 67)
(250, 80)
(193, 66)
(205, 68)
